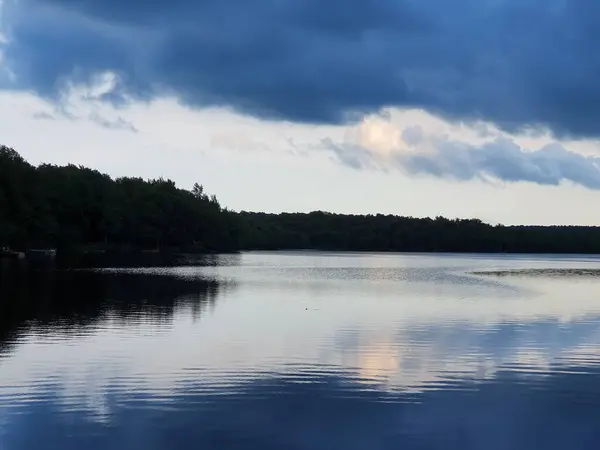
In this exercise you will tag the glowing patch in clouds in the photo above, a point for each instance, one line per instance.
(379, 144)
(379, 136)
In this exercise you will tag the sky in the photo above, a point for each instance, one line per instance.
(474, 108)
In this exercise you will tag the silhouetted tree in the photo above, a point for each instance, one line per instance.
(70, 206)
(326, 231)
(78, 207)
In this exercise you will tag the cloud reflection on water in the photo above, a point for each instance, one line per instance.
(511, 411)
(309, 358)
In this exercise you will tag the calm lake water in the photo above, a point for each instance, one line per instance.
(304, 351)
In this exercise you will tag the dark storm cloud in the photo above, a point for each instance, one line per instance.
(517, 63)
(501, 159)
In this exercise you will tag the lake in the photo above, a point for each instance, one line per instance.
(304, 350)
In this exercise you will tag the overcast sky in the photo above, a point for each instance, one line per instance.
(471, 108)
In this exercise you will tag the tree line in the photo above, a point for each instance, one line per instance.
(336, 232)
(74, 207)
(50, 206)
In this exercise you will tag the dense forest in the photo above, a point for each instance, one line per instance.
(75, 207)
(326, 231)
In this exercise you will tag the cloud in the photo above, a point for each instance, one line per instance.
(43, 115)
(499, 159)
(239, 142)
(413, 135)
(504, 160)
(351, 155)
(112, 124)
(115, 124)
(518, 64)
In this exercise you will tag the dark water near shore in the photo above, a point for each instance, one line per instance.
(304, 351)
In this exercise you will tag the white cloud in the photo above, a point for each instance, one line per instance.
(276, 166)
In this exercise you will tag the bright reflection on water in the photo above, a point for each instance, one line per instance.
(304, 351)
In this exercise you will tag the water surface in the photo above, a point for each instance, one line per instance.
(304, 351)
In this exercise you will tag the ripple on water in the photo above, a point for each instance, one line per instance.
(324, 351)
(543, 272)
